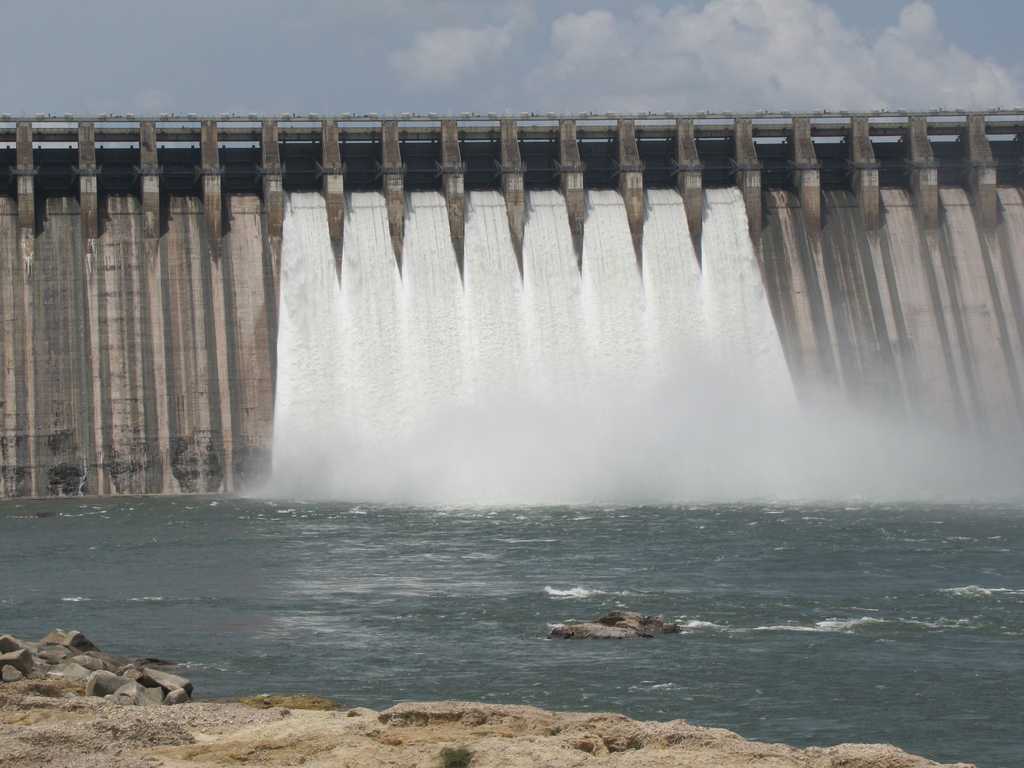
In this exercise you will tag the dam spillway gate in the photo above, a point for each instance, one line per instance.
(140, 260)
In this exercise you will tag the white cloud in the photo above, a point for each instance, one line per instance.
(761, 54)
(442, 55)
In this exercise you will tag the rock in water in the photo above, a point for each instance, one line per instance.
(645, 625)
(591, 630)
(9, 644)
(20, 660)
(129, 694)
(151, 678)
(177, 696)
(103, 683)
(10, 674)
(617, 625)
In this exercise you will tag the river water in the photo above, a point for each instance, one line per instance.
(802, 624)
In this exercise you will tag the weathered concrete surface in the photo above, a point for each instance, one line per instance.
(152, 361)
(927, 319)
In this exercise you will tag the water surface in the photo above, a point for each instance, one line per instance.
(804, 624)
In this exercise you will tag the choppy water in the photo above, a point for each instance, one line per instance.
(803, 624)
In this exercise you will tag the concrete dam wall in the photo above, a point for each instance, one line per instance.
(141, 264)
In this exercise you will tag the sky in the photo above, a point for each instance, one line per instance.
(450, 56)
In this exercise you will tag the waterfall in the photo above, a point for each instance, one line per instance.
(551, 386)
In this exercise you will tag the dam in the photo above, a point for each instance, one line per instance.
(191, 304)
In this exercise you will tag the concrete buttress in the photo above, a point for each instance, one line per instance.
(748, 177)
(394, 186)
(26, 171)
(924, 174)
(807, 174)
(570, 168)
(333, 183)
(513, 187)
(452, 175)
(631, 186)
(865, 173)
(88, 189)
(211, 173)
(273, 186)
(981, 177)
(690, 181)
(149, 170)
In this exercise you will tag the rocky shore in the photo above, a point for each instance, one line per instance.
(50, 717)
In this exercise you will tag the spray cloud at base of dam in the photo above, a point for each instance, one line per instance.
(562, 387)
(639, 308)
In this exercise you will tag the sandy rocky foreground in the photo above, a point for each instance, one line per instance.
(46, 719)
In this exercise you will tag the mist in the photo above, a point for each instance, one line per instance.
(568, 389)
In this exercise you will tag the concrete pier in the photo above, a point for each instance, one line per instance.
(631, 186)
(570, 171)
(981, 173)
(88, 188)
(211, 172)
(149, 171)
(806, 173)
(865, 173)
(513, 187)
(453, 181)
(26, 172)
(690, 181)
(924, 173)
(332, 180)
(273, 183)
(748, 177)
(394, 186)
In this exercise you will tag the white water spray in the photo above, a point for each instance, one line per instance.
(554, 387)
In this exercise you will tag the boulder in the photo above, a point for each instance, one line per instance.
(20, 660)
(89, 662)
(593, 631)
(53, 654)
(131, 673)
(103, 683)
(9, 644)
(645, 625)
(129, 694)
(71, 672)
(71, 639)
(151, 678)
(177, 696)
(153, 697)
(9, 674)
(616, 625)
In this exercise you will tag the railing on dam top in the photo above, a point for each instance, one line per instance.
(214, 155)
